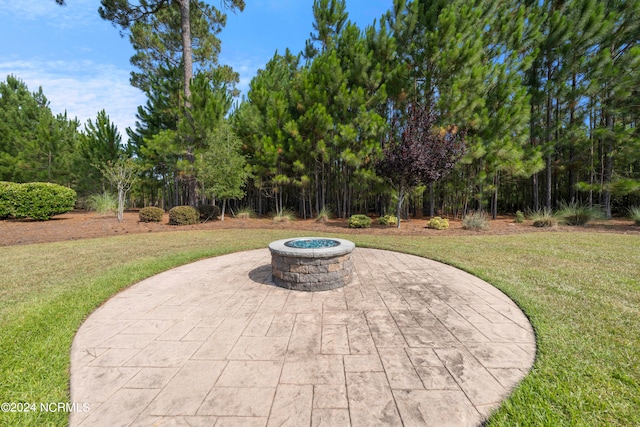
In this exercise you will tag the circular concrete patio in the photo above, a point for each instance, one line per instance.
(408, 342)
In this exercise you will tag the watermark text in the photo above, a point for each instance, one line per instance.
(23, 407)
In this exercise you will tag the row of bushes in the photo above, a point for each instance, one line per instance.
(573, 215)
(569, 213)
(36, 200)
(474, 221)
(180, 215)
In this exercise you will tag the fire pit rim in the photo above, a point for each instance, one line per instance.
(344, 247)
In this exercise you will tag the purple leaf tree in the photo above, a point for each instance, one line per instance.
(418, 151)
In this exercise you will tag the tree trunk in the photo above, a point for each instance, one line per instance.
(494, 197)
(535, 201)
(548, 139)
(317, 185)
(549, 187)
(572, 154)
(121, 200)
(592, 170)
(187, 57)
(534, 192)
(176, 191)
(608, 166)
(432, 200)
(187, 61)
(399, 205)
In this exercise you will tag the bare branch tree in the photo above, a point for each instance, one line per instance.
(122, 175)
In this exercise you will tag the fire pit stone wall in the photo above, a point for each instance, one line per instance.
(311, 263)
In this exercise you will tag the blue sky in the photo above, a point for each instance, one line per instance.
(82, 63)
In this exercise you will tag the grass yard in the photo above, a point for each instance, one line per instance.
(581, 291)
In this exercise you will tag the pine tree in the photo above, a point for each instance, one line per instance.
(143, 19)
(329, 18)
(100, 145)
(265, 124)
(152, 140)
(20, 112)
(465, 62)
(619, 54)
(588, 27)
(35, 145)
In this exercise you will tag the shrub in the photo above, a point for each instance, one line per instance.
(359, 221)
(575, 213)
(475, 221)
(208, 212)
(36, 200)
(438, 223)
(519, 217)
(183, 215)
(151, 214)
(388, 220)
(544, 218)
(634, 213)
(246, 213)
(104, 204)
(285, 216)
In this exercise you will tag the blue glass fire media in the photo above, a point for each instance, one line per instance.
(312, 243)
(311, 263)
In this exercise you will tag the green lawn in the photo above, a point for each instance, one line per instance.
(581, 291)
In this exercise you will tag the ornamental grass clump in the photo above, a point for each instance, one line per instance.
(475, 221)
(359, 221)
(284, 216)
(634, 213)
(544, 218)
(324, 215)
(246, 213)
(104, 204)
(438, 223)
(575, 213)
(150, 214)
(519, 217)
(183, 215)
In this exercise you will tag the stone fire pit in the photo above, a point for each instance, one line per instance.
(311, 263)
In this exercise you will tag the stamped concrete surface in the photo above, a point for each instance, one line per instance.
(214, 343)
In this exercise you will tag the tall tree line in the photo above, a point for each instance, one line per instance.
(313, 124)
(545, 91)
(36, 145)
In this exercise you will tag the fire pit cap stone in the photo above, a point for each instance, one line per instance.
(280, 247)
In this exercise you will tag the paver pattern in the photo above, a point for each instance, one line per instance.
(408, 342)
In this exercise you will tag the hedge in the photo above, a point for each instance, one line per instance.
(7, 198)
(36, 200)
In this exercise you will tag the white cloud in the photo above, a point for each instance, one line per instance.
(75, 14)
(82, 88)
